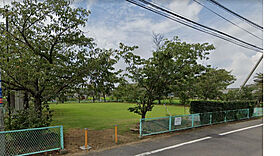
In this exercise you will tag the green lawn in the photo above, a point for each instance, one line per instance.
(99, 116)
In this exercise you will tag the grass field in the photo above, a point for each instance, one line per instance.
(99, 116)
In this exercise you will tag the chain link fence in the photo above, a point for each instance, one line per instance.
(150, 126)
(31, 141)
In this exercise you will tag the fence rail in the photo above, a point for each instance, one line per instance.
(31, 141)
(150, 126)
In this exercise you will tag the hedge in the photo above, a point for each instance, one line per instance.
(219, 106)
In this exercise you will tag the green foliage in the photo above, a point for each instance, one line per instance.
(172, 68)
(103, 76)
(214, 106)
(211, 83)
(128, 92)
(43, 52)
(28, 118)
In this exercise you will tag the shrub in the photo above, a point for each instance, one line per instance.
(28, 118)
(219, 106)
(214, 106)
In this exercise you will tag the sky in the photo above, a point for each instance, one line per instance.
(115, 21)
(112, 22)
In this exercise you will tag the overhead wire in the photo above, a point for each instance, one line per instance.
(194, 25)
(237, 15)
(226, 19)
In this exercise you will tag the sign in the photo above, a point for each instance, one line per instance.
(177, 121)
(195, 118)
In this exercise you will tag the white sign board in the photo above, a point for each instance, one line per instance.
(195, 118)
(178, 121)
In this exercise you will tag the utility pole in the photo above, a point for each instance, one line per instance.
(252, 71)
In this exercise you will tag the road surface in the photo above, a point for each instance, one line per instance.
(232, 139)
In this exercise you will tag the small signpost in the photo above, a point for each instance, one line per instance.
(178, 121)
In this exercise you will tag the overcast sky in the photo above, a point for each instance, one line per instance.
(115, 21)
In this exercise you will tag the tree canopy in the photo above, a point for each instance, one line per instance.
(44, 50)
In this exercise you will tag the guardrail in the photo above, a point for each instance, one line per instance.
(150, 126)
(31, 141)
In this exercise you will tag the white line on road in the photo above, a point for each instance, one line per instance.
(241, 129)
(174, 146)
(193, 141)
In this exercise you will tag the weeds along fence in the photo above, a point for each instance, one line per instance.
(150, 126)
(31, 141)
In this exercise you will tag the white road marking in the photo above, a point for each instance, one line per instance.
(241, 129)
(174, 146)
(193, 141)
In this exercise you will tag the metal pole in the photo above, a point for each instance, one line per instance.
(170, 118)
(86, 138)
(116, 134)
(61, 137)
(192, 119)
(252, 71)
(140, 128)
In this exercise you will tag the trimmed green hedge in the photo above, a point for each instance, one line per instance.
(214, 106)
(218, 108)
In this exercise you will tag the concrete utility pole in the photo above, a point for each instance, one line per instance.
(252, 71)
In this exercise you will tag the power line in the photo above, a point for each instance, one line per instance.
(227, 19)
(237, 15)
(195, 25)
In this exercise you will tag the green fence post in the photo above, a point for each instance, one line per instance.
(170, 118)
(192, 119)
(140, 128)
(210, 118)
(225, 118)
(61, 137)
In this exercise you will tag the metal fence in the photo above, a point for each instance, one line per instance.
(31, 141)
(150, 126)
(258, 112)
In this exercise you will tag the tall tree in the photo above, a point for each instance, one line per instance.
(172, 66)
(211, 83)
(104, 75)
(48, 50)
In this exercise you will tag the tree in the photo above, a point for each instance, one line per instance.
(104, 77)
(48, 52)
(211, 83)
(172, 66)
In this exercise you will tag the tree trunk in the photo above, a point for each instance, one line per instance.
(159, 102)
(38, 104)
(92, 97)
(104, 96)
(143, 115)
(26, 101)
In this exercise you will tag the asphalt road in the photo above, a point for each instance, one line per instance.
(232, 139)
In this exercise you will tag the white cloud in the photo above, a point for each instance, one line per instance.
(136, 27)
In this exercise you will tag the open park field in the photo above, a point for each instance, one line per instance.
(100, 119)
(99, 116)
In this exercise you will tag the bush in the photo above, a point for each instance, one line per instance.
(219, 106)
(214, 106)
(28, 118)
